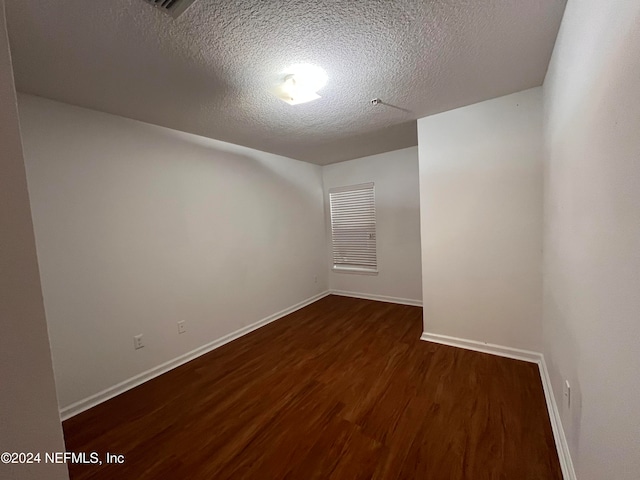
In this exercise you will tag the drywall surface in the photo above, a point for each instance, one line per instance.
(591, 326)
(29, 419)
(395, 175)
(481, 221)
(139, 227)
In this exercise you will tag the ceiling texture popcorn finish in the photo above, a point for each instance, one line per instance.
(212, 70)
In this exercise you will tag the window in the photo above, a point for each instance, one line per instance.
(353, 228)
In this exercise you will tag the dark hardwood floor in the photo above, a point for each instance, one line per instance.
(342, 389)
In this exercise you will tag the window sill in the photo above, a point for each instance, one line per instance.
(356, 270)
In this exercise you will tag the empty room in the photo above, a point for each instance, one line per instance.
(381, 239)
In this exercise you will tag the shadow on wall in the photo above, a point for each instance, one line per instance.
(235, 157)
(571, 416)
(591, 247)
(138, 226)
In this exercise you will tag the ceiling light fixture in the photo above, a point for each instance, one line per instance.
(301, 84)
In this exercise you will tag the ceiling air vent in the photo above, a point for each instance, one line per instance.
(175, 8)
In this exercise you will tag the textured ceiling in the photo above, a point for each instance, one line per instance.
(209, 72)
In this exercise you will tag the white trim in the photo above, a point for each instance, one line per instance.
(93, 400)
(564, 455)
(562, 447)
(379, 298)
(515, 353)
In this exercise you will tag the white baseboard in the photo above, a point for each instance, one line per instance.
(85, 404)
(562, 447)
(515, 353)
(379, 298)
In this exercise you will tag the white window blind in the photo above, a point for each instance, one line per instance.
(353, 228)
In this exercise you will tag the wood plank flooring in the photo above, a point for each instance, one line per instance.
(342, 389)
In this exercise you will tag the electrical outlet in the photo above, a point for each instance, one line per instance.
(566, 391)
(182, 327)
(137, 342)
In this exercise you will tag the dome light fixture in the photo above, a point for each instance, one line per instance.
(301, 84)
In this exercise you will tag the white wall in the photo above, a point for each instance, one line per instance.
(395, 175)
(591, 325)
(29, 420)
(481, 221)
(138, 227)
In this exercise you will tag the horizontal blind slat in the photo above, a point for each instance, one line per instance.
(353, 226)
